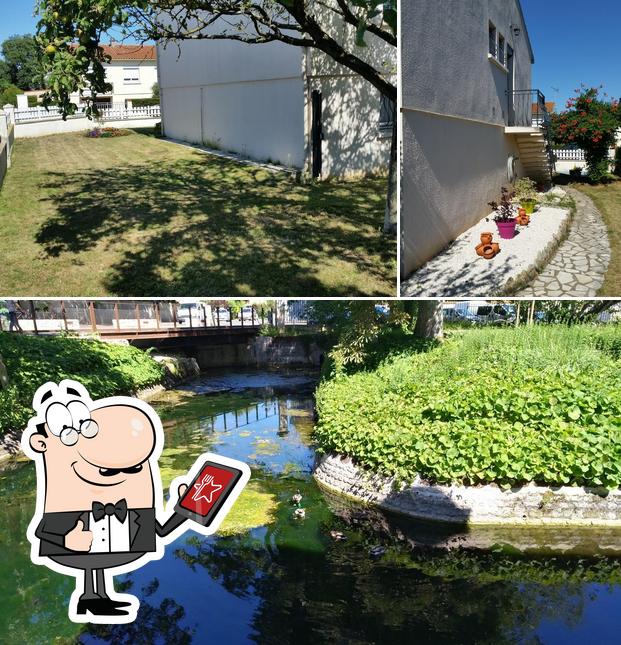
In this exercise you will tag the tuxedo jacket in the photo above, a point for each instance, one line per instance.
(143, 527)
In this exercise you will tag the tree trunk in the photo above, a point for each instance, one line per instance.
(390, 214)
(429, 322)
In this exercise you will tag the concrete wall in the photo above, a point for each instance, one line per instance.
(451, 169)
(7, 137)
(74, 124)
(247, 99)
(455, 109)
(473, 505)
(353, 143)
(254, 100)
(259, 351)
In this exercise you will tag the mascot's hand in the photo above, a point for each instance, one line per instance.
(78, 539)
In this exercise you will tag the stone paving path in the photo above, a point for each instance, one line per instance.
(579, 265)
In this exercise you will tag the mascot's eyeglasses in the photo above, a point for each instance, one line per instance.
(88, 429)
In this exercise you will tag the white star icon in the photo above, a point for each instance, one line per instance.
(206, 483)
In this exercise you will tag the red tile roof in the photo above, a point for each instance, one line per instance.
(129, 52)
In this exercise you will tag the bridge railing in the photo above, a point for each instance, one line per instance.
(124, 318)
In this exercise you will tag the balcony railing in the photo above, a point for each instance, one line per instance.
(527, 108)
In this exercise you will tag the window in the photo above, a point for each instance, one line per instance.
(492, 40)
(131, 75)
(386, 115)
(501, 49)
(497, 46)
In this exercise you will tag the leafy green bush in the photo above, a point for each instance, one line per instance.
(510, 406)
(145, 102)
(104, 369)
(9, 95)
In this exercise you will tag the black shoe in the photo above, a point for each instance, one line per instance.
(99, 607)
(116, 603)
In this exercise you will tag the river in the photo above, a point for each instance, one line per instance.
(339, 574)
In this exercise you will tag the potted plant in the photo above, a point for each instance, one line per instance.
(526, 194)
(504, 215)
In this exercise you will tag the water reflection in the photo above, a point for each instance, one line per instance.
(273, 578)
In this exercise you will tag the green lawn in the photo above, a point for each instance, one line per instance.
(137, 216)
(607, 198)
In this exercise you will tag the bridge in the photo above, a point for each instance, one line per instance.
(167, 324)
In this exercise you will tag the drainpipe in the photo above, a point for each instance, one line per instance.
(306, 71)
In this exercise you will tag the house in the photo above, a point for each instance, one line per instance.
(276, 102)
(468, 123)
(132, 72)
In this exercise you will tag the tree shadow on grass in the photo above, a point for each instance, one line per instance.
(209, 226)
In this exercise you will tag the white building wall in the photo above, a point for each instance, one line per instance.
(247, 99)
(147, 71)
(353, 143)
(455, 109)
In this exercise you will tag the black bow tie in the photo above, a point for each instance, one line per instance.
(119, 509)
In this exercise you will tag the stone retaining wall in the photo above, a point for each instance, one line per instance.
(477, 505)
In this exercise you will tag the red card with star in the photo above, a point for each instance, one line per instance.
(207, 492)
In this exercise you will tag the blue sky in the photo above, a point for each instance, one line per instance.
(574, 41)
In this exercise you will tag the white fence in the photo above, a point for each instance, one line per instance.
(569, 154)
(108, 112)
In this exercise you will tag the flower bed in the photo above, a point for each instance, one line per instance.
(104, 133)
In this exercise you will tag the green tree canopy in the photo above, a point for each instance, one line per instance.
(22, 62)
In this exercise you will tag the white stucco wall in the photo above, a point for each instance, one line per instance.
(147, 71)
(255, 100)
(247, 99)
(353, 143)
(455, 109)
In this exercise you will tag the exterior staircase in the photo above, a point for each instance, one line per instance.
(529, 123)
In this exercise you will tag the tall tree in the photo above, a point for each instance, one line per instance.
(70, 33)
(5, 75)
(430, 320)
(22, 57)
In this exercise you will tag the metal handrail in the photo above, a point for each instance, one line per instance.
(529, 110)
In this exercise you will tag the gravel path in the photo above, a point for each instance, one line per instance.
(579, 265)
(457, 271)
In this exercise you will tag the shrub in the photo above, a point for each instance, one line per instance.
(105, 369)
(591, 123)
(509, 406)
(9, 95)
(145, 102)
(525, 189)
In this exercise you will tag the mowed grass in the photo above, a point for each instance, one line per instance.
(137, 216)
(607, 198)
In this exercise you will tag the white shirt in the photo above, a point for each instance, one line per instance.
(109, 534)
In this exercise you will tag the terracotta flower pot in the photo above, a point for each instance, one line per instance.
(506, 229)
(523, 219)
(488, 251)
(486, 238)
(522, 212)
(496, 247)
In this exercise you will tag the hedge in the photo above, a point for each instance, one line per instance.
(105, 369)
(145, 102)
(505, 406)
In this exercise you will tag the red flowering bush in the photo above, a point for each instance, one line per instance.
(591, 123)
